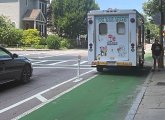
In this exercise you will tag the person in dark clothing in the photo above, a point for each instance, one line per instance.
(156, 54)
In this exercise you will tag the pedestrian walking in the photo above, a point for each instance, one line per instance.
(156, 54)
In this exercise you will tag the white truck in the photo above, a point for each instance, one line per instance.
(115, 38)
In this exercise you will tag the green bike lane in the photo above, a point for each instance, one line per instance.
(108, 96)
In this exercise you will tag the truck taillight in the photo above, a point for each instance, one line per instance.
(90, 45)
(132, 47)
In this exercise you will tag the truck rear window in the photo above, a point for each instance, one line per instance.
(102, 28)
(120, 28)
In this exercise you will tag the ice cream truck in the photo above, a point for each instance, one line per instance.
(115, 38)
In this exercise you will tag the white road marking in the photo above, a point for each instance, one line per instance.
(51, 56)
(41, 98)
(27, 54)
(78, 79)
(35, 96)
(57, 62)
(80, 63)
(57, 96)
(39, 62)
(44, 57)
(52, 60)
(62, 65)
(71, 67)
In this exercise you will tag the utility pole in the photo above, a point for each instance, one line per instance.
(161, 33)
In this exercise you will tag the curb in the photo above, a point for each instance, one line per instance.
(133, 110)
(15, 49)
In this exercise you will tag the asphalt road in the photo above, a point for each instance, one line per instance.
(54, 72)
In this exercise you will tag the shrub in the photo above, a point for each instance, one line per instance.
(42, 41)
(40, 46)
(64, 43)
(31, 37)
(72, 42)
(53, 42)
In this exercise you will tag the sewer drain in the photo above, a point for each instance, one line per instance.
(161, 83)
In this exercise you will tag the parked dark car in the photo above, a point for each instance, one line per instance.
(14, 67)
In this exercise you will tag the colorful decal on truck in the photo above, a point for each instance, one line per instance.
(103, 51)
(112, 40)
(121, 51)
(98, 57)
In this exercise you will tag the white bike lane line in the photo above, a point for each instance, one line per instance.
(39, 95)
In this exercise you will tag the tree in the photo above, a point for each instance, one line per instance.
(8, 33)
(153, 28)
(152, 7)
(69, 16)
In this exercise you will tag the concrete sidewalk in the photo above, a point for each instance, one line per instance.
(152, 105)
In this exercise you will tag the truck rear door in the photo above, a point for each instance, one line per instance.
(112, 37)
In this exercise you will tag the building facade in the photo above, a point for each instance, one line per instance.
(26, 14)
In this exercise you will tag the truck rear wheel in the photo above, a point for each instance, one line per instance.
(99, 69)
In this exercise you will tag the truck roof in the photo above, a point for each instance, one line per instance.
(112, 11)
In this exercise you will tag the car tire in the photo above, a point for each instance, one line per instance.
(26, 73)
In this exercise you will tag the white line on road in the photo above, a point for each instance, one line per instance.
(52, 60)
(54, 67)
(45, 57)
(51, 56)
(80, 63)
(78, 79)
(55, 97)
(35, 96)
(39, 62)
(58, 62)
(41, 98)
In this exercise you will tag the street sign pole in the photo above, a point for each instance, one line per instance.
(161, 35)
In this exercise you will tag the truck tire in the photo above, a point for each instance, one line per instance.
(99, 69)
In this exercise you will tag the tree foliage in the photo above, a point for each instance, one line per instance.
(149, 25)
(69, 16)
(154, 30)
(8, 33)
(152, 7)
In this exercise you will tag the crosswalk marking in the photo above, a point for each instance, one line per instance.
(58, 62)
(80, 63)
(39, 62)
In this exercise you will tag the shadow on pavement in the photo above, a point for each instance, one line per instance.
(133, 71)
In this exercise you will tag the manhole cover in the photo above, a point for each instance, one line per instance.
(161, 83)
